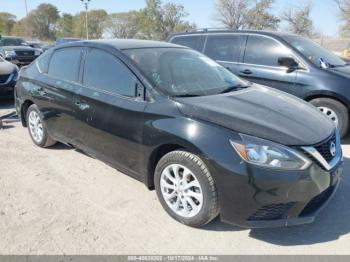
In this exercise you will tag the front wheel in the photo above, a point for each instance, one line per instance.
(335, 111)
(37, 128)
(186, 188)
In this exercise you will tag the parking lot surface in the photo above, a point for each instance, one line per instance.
(59, 201)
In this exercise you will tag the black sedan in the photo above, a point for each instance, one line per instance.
(209, 142)
(8, 77)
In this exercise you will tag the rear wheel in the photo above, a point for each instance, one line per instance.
(335, 111)
(186, 189)
(37, 128)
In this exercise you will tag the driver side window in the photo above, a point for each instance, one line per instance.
(105, 72)
(261, 50)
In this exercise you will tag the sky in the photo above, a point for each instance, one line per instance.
(324, 14)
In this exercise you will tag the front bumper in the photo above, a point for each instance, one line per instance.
(21, 61)
(255, 197)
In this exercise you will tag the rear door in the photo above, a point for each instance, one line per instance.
(57, 91)
(226, 49)
(110, 115)
(260, 64)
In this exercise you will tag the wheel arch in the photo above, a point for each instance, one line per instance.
(24, 108)
(329, 95)
(157, 154)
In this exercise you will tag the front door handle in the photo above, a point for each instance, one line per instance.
(82, 105)
(246, 72)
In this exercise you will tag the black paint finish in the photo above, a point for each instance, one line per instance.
(131, 134)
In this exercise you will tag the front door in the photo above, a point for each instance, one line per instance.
(260, 64)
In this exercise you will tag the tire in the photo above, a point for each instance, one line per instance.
(340, 110)
(202, 213)
(43, 140)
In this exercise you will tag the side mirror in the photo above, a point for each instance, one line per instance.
(288, 62)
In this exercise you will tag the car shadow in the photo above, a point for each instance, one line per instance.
(346, 140)
(59, 146)
(6, 103)
(332, 222)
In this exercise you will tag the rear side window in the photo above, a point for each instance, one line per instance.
(65, 64)
(195, 42)
(224, 47)
(43, 61)
(262, 50)
(106, 72)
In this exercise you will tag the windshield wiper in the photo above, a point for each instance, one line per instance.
(187, 95)
(233, 88)
(335, 66)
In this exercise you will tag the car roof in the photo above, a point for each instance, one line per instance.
(216, 31)
(123, 44)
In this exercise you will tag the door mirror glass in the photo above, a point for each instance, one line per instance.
(288, 62)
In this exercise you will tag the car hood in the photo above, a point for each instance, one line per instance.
(17, 48)
(262, 112)
(6, 68)
(341, 70)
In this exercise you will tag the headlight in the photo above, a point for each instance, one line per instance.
(265, 153)
(37, 52)
(9, 53)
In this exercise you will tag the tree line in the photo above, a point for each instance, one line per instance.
(156, 20)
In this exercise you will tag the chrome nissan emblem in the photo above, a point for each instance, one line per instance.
(332, 148)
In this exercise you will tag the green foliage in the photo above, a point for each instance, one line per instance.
(7, 21)
(65, 25)
(155, 21)
(41, 22)
(122, 25)
(18, 28)
(96, 22)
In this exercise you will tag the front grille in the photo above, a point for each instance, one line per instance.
(25, 53)
(4, 78)
(271, 212)
(317, 202)
(324, 148)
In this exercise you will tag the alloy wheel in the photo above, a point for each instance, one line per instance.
(329, 113)
(181, 190)
(35, 126)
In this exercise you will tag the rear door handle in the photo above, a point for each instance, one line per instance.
(82, 105)
(246, 72)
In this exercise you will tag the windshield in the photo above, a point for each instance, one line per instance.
(183, 72)
(318, 55)
(12, 42)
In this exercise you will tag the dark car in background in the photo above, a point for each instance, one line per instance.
(61, 41)
(287, 62)
(65, 40)
(8, 77)
(17, 50)
(36, 45)
(209, 142)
